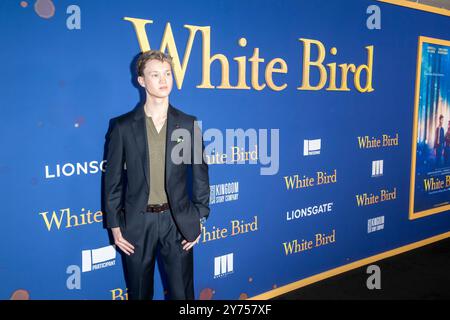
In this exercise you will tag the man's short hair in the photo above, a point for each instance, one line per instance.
(151, 55)
(441, 117)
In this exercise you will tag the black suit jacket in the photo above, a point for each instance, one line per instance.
(125, 202)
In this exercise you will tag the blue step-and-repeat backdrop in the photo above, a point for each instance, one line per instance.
(326, 126)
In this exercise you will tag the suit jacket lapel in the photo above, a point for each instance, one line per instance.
(140, 135)
(172, 124)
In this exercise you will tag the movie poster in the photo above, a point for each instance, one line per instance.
(430, 167)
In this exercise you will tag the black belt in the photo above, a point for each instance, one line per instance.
(157, 207)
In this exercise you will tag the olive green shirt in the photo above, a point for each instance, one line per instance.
(157, 156)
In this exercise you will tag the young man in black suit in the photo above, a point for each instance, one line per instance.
(151, 214)
(439, 141)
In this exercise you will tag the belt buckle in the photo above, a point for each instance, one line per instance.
(157, 208)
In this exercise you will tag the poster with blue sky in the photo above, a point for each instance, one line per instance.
(430, 169)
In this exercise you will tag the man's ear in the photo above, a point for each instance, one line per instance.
(141, 81)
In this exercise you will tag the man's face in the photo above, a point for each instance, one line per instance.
(157, 78)
(441, 122)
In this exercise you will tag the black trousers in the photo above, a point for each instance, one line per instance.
(160, 240)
